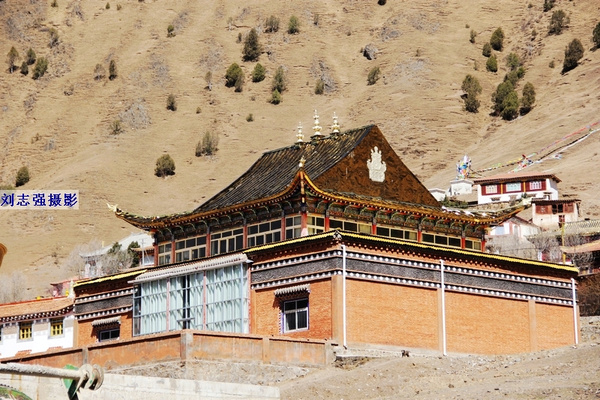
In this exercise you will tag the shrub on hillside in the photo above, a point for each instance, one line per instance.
(11, 58)
(497, 39)
(239, 83)
(164, 166)
(30, 56)
(573, 53)
(250, 117)
(596, 35)
(279, 80)
(502, 91)
(208, 145)
(99, 72)
(510, 106)
(472, 88)
(548, 4)
(252, 47)
(258, 73)
(41, 66)
(320, 86)
(232, 74)
(293, 25)
(24, 68)
(487, 49)
(53, 37)
(373, 76)
(472, 36)
(171, 103)
(528, 98)
(170, 31)
(492, 64)
(558, 22)
(276, 97)
(112, 70)
(116, 127)
(512, 61)
(272, 24)
(22, 176)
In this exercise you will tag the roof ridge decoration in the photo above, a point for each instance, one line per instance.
(300, 135)
(335, 128)
(316, 127)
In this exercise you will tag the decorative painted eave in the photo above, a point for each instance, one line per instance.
(469, 217)
(449, 251)
(110, 278)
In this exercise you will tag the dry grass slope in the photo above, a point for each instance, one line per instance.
(59, 126)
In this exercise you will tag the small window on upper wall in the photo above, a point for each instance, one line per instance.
(535, 185)
(25, 330)
(109, 334)
(56, 327)
(490, 189)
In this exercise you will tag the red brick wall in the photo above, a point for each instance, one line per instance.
(266, 314)
(554, 326)
(389, 314)
(486, 325)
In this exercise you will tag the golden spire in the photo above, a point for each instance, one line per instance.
(300, 135)
(335, 128)
(317, 128)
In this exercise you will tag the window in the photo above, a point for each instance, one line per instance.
(315, 224)
(473, 244)
(397, 233)
(227, 241)
(164, 254)
(215, 299)
(441, 240)
(514, 187)
(25, 330)
(56, 327)
(543, 209)
(490, 189)
(535, 185)
(349, 226)
(293, 226)
(295, 315)
(190, 249)
(109, 334)
(557, 209)
(263, 233)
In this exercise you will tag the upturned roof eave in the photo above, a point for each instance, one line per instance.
(148, 223)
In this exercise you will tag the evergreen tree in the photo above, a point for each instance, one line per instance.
(231, 76)
(258, 74)
(498, 96)
(279, 80)
(596, 35)
(12, 57)
(528, 98)
(164, 166)
(487, 49)
(492, 64)
(497, 39)
(573, 53)
(112, 70)
(22, 176)
(252, 47)
(30, 56)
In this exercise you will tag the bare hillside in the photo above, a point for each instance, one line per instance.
(59, 125)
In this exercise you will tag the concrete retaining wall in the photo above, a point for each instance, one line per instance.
(130, 387)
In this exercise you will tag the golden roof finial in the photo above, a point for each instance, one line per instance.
(301, 163)
(300, 135)
(316, 128)
(335, 128)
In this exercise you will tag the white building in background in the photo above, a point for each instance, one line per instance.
(93, 260)
(36, 326)
(514, 186)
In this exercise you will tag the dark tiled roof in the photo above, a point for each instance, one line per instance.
(276, 169)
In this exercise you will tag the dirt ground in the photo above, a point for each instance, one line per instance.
(566, 373)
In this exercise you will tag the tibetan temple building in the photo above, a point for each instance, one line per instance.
(335, 238)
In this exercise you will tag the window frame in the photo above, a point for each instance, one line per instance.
(296, 312)
(57, 328)
(508, 185)
(487, 189)
(110, 330)
(25, 329)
